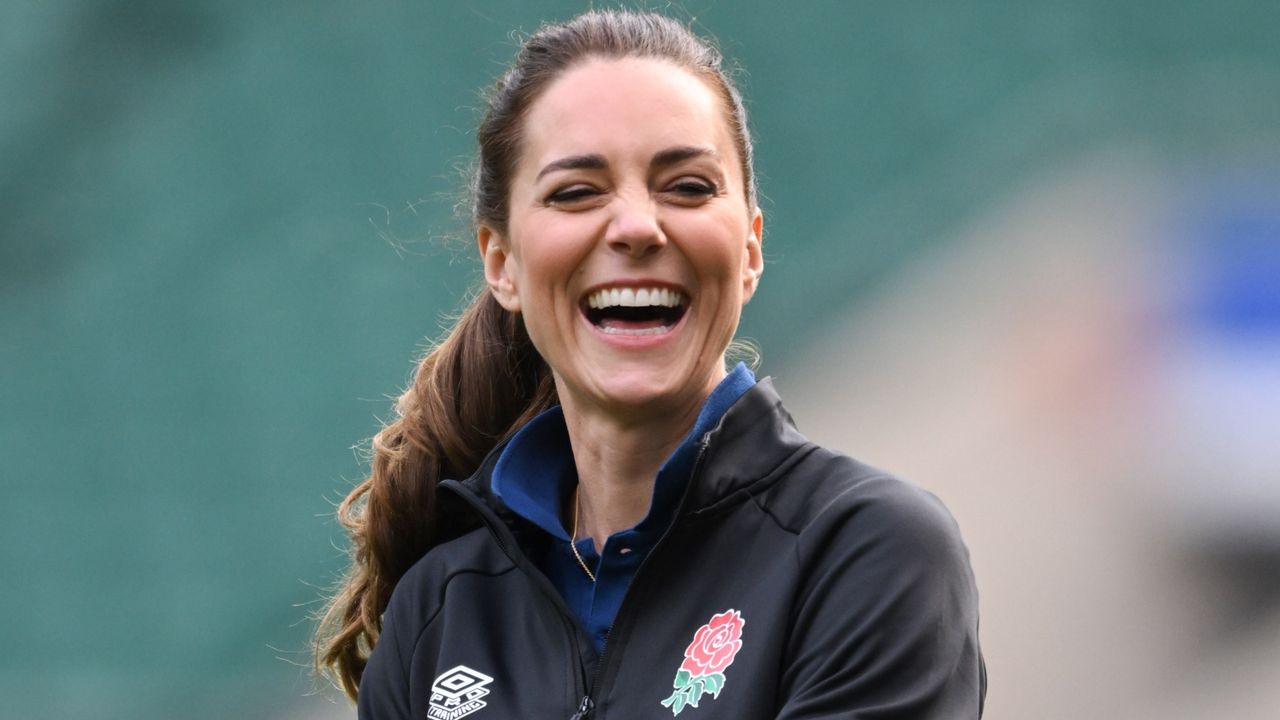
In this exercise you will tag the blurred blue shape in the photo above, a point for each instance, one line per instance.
(1223, 368)
(1237, 245)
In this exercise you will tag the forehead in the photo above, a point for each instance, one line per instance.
(624, 107)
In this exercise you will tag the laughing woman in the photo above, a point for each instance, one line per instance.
(580, 510)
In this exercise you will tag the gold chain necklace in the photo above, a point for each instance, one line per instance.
(573, 542)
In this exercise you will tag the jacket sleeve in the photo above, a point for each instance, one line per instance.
(384, 687)
(886, 621)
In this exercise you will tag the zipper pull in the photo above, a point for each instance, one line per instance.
(584, 708)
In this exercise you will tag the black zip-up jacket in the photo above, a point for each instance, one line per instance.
(793, 583)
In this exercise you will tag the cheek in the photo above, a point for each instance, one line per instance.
(717, 251)
(551, 253)
(543, 257)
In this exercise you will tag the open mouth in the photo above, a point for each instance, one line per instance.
(634, 310)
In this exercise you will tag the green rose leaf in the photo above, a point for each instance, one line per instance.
(686, 695)
(697, 693)
(713, 683)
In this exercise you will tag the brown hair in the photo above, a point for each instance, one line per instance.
(485, 379)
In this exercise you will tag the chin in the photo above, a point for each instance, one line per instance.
(654, 387)
(619, 392)
(641, 389)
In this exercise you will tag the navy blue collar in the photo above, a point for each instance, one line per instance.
(535, 472)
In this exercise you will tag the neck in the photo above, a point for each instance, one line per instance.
(618, 461)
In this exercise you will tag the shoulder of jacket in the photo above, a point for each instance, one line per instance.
(419, 595)
(829, 492)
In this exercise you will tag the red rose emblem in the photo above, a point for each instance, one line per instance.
(714, 645)
(701, 674)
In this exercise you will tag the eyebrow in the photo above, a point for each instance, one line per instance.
(676, 155)
(663, 158)
(575, 162)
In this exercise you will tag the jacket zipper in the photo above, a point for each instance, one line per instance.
(584, 709)
(500, 533)
(588, 702)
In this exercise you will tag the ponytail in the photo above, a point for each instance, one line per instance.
(474, 389)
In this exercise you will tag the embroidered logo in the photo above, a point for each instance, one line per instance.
(712, 650)
(457, 692)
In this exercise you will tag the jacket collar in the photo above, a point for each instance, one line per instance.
(753, 440)
(535, 473)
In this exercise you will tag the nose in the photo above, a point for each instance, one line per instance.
(633, 228)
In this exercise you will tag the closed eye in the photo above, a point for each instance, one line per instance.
(572, 194)
(691, 189)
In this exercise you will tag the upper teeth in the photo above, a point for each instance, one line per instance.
(634, 297)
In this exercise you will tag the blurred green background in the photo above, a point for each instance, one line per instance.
(227, 228)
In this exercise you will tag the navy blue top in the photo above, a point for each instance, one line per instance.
(535, 475)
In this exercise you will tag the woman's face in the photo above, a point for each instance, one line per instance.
(630, 248)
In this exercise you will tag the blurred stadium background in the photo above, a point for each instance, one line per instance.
(1026, 254)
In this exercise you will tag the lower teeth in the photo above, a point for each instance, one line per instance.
(647, 331)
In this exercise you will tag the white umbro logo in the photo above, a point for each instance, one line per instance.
(457, 692)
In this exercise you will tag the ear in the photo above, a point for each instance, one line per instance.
(498, 267)
(753, 261)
